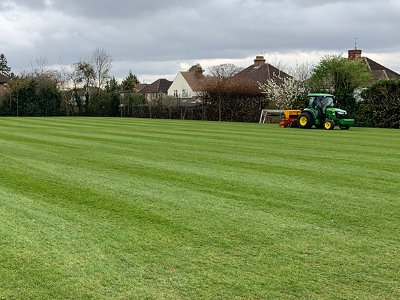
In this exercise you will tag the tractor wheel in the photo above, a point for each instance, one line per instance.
(344, 127)
(305, 120)
(329, 125)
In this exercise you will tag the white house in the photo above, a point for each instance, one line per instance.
(187, 85)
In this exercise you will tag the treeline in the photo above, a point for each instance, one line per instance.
(88, 90)
(32, 96)
(85, 89)
(40, 95)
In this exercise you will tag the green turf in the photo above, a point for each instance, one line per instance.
(97, 208)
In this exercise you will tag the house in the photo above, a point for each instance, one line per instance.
(188, 85)
(377, 71)
(3, 83)
(156, 91)
(260, 72)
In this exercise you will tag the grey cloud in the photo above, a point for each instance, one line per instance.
(156, 31)
(107, 9)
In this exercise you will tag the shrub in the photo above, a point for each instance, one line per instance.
(381, 105)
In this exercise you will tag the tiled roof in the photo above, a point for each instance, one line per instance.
(140, 86)
(158, 86)
(378, 71)
(194, 79)
(261, 72)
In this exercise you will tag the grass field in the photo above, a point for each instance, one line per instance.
(97, 208)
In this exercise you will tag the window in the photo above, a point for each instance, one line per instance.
(185, 93)
(176, 93)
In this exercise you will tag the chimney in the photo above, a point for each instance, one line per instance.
(199, 73)
(355, 54)
(259, 61)
(197, 70)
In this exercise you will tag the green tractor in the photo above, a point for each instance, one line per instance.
(321, 113)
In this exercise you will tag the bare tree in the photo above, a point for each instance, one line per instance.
(224, 70)
(40, 69)
(39, 66)
(301, 72)
(278, 63)
(101, 62)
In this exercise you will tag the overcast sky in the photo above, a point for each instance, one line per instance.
(158, 38)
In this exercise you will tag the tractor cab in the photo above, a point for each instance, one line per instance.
(323, 101)
(319, 103)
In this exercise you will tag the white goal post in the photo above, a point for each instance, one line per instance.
(269, 112)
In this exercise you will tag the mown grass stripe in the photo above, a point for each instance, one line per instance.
(163, 209)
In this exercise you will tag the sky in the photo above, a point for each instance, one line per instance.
(158, 38)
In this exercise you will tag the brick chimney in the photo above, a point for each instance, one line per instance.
(260, 60)
(355, 53)
(199, 72)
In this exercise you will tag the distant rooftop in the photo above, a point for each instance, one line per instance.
(261, 71)
(140, 86)
(3, 78)
(378, 71)
(159, 86)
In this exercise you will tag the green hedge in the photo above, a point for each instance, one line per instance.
(381, 105)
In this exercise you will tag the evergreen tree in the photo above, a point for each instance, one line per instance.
(4, 68)
(129, 83)
(113, 90)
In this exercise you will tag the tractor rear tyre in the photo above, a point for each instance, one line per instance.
(305, 120)
(329, 125)
(345, 127)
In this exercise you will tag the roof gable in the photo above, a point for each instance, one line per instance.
(194, 79)
(140, 86)
(378, 71)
